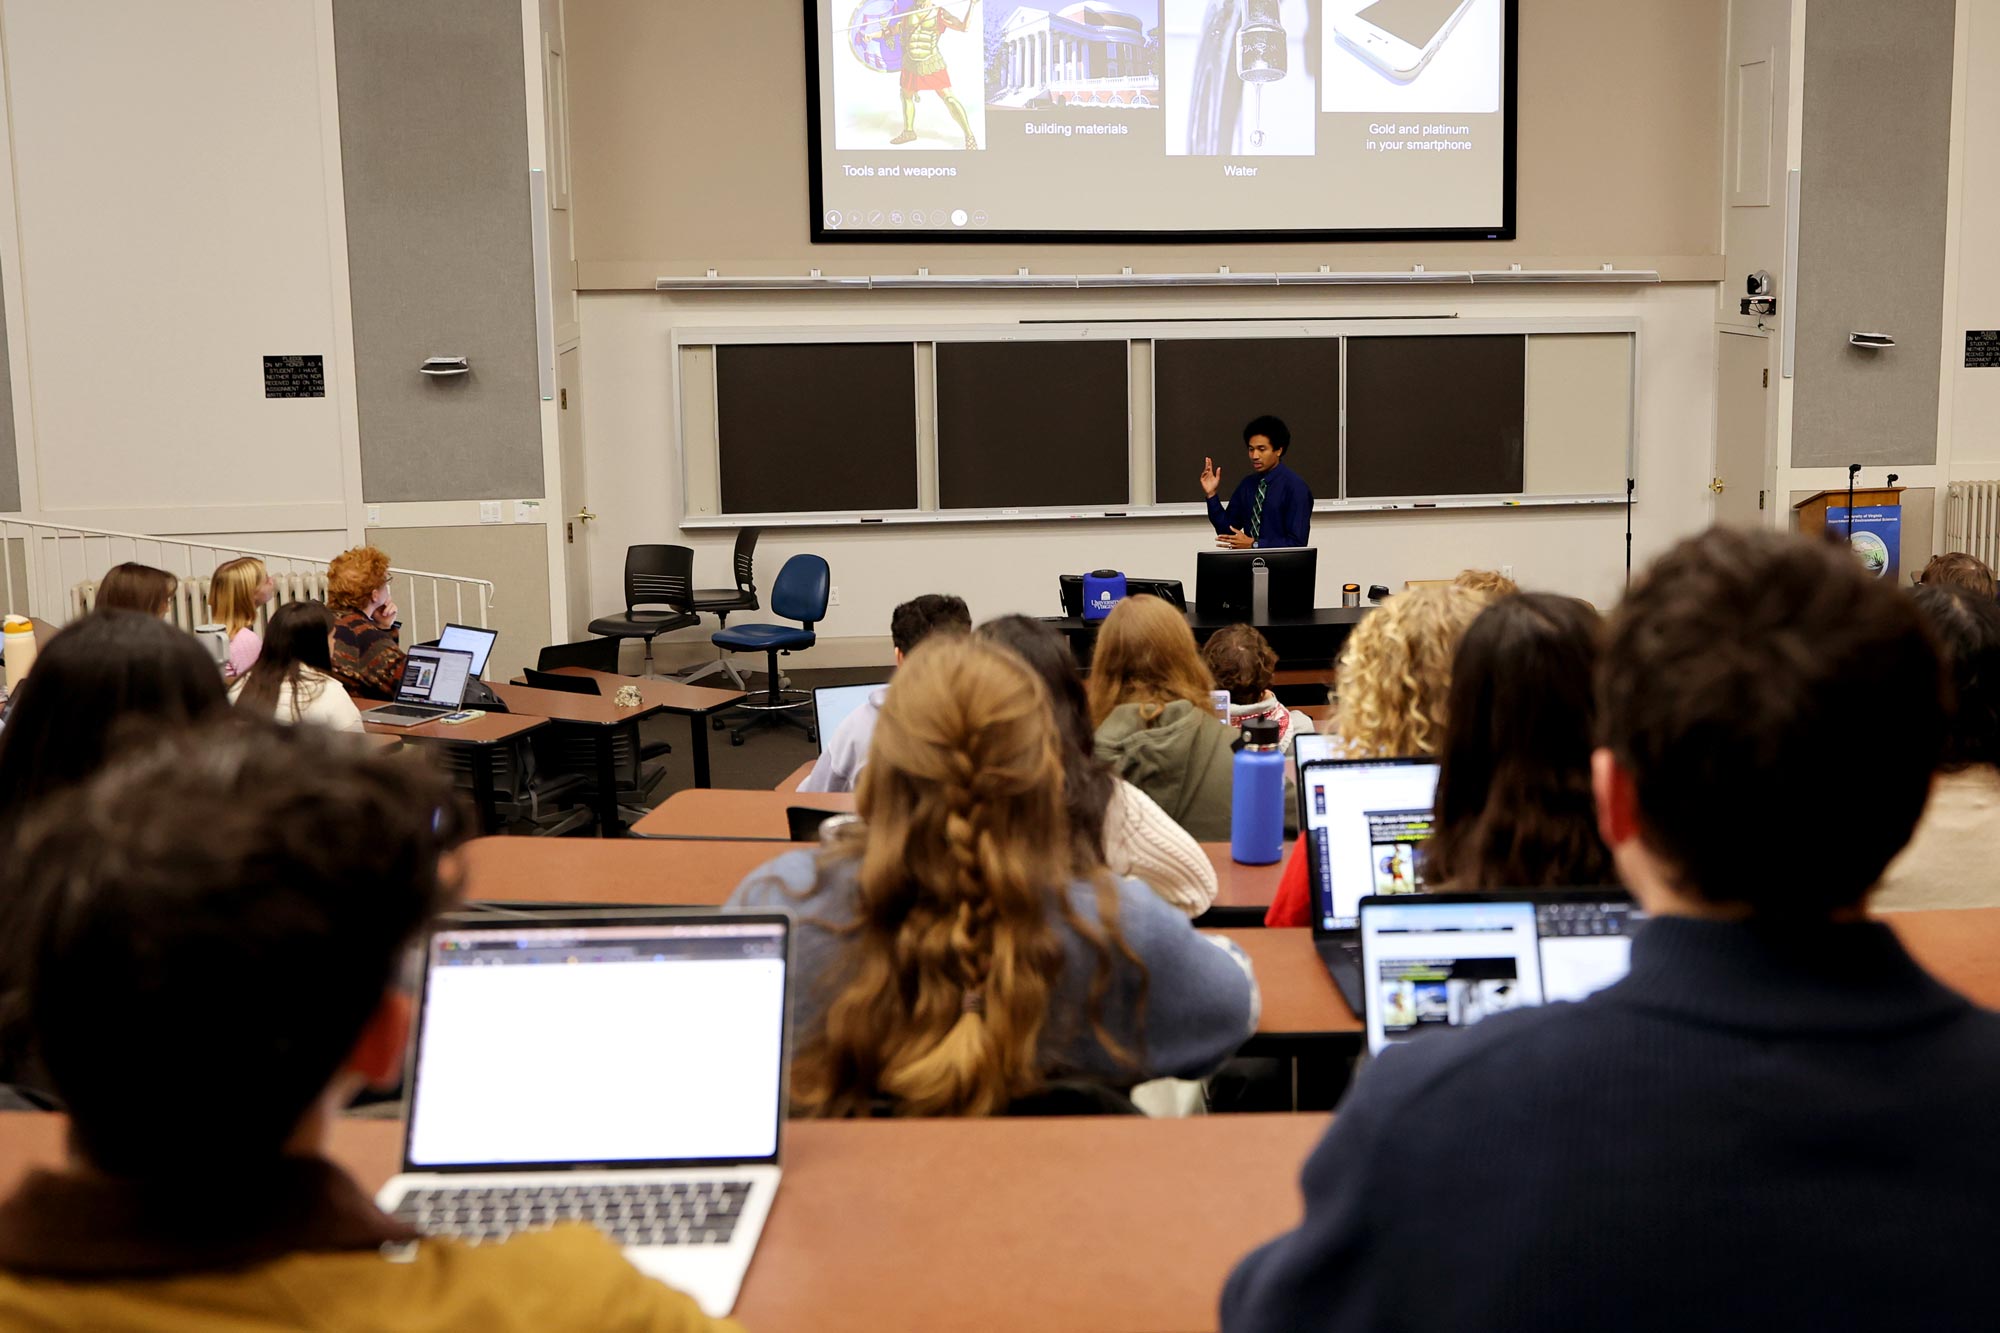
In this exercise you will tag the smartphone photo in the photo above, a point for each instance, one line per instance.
(1219, 700)
(1399, 37)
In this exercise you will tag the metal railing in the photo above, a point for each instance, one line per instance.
(50, 571)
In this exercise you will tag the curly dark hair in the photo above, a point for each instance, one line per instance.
(1967, 626)
(1242, 662)
(242, 888)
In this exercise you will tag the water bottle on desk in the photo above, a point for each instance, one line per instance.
(1257, 810)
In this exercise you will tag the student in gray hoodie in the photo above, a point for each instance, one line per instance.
(1149, 697)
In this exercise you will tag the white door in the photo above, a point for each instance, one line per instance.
(1742, 430)
(576, 515)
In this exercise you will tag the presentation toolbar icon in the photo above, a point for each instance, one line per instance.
(832, 217)
(895, 217)
(875, 217)
(959, 218)
(916, 217)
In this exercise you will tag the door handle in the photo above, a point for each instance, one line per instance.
(584, 515)
(1716, 485)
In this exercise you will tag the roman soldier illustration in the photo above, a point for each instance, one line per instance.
(919, 32)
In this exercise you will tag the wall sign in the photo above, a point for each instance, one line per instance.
(1982, 349)
(295, 376)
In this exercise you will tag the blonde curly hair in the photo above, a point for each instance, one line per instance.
(1395, 672)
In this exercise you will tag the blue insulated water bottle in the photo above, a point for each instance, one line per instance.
(1257, 810)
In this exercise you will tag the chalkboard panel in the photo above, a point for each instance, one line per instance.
(1022, 424)
(1206, 389)
(816, 427)
(1436, 415)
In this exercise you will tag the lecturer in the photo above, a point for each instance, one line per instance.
(1272, 506)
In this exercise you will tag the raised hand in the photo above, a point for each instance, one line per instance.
(1211, 478)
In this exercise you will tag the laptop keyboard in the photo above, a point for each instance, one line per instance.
(656, 1213)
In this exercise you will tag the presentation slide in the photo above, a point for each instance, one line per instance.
(994, 118)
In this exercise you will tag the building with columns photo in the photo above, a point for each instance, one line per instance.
(1080, 55)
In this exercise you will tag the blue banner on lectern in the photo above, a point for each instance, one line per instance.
(1877, 536)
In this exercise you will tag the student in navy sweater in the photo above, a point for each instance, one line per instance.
(1778, 1119)
(1273, 505)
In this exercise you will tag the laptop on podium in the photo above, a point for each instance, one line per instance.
(433, 685)
(1365, 821)
(621, 1069)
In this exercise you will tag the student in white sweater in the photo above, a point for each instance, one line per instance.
(1113, 823)
(292, 679)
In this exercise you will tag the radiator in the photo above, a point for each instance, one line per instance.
(1972, 519)
(189, 608)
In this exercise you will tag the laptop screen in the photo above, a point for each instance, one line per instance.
(434, 676)
(1313, 747)
(467, 639)
(558, 1045)
(1430, 963)
(1364, 821)
(832, 704)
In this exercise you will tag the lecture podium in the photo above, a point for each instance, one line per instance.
(1877, 529)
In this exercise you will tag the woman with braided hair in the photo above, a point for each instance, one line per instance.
(951, 961)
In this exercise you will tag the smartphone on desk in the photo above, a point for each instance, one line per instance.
(462, 715)
(1399, 37)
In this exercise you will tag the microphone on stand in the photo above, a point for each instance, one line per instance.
(1852, 470)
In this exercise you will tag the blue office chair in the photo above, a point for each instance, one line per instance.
(799, 594)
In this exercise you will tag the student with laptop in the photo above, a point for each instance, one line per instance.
(367, 652)
(1514, 807)
(1953, 859)
(292, 678)
(843, 754)
(1112, 823)
(235, 904)
(1777, 1119)
(951, 960)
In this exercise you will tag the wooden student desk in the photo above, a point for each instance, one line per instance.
(602, 718)
(479, 735)
(1104, 1224)
(1243, 891)
(694, 702)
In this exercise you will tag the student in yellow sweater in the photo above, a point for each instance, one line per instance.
(212, 939)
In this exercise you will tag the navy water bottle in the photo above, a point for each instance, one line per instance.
(1257, 811)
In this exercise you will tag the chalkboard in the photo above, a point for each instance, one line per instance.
(816, 427)
(1436, 415)
(1205, 390)
(1024, 424)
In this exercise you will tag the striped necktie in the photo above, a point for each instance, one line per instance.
(1257, 509)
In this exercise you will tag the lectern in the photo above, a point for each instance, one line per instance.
(1877, 530)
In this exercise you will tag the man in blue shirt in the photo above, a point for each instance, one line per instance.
(1272, 506)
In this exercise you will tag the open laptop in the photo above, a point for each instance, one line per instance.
(1311, 747)
(1364, 821)
(470, 639)
(621, 1069)
(832, 704)
(433, 685)
(1448, 960)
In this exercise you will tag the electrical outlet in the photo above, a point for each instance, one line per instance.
(833, 596)
(374, 516)
(1506, 571)
(489, 511)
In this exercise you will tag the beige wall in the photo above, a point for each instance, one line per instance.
(688, 139)
(513, 555)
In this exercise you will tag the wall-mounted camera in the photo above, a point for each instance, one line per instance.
(1761, 299)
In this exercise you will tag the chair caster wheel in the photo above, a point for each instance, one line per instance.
(736, 739)
(715, 724)
(813, 736)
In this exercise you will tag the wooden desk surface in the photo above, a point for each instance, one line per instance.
(796, 776)
(695, 872)
(1095, 1224)
(595, 710)
(1300, 999)
(723, 812)
(666, 695)
(488, 730)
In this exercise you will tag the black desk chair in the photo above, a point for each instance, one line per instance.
(656, 577)
(719, 602)
(590, 654)
(550, 680)
(800, 594)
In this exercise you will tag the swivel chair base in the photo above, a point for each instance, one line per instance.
(775, 707)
